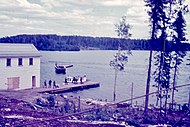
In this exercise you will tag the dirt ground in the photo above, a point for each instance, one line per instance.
(18, 108)
(26, 95)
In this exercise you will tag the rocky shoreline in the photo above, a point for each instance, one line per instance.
(61, 110)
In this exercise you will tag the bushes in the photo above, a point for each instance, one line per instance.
(49, 102)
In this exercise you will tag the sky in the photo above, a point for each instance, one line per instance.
(74, 17)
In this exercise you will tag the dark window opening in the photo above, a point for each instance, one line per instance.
(8, 62)
(30, 61)
(19, 61)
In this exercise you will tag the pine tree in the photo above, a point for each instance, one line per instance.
(162, 14)
(179, 29)
(155, 12)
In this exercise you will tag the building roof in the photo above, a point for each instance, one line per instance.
(18, 50)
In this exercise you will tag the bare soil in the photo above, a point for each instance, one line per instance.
(19, 108)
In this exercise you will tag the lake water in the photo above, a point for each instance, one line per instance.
(95, 64)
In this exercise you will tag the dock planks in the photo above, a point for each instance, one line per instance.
(71, 87)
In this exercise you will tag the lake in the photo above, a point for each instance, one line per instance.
(95, 65)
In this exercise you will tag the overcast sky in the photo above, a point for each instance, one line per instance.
(73, 17)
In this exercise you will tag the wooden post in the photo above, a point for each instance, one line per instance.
(148, 80)
(67, 105)
(74, 107)
(132, 94)
(189, 99)
(79, 104)
(114, 91)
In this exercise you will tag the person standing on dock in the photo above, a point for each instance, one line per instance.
(54, 84)
(74, 80)
(50, 83)
(66, 83)
(84, 78)
(81, 80)
(45, 84)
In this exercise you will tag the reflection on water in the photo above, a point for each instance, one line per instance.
(95, 64)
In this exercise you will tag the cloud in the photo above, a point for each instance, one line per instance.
(22, 9)
(95, 17)
(58, 3)
(187, 2)
(116, 2)
(4, 17)
(81, 17)
(54, 3)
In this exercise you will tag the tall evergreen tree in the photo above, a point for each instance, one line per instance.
(155, 12)
(179, 36)
(162, 14)
(163, 57)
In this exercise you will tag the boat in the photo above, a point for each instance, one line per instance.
(62, 68)
(76, 79)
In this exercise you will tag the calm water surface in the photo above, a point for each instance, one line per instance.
(95, 64)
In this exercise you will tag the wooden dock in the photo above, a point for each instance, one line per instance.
(70, 87)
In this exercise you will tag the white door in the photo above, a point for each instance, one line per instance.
(13, 83)
(33, 81)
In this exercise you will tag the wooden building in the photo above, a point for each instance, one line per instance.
(19, 65)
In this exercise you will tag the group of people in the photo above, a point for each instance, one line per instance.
(75, 80)
(50, 85)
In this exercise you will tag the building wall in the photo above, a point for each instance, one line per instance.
(24, 72)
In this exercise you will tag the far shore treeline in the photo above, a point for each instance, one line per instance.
(53, 42)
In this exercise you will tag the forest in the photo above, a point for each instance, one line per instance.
(53, 42)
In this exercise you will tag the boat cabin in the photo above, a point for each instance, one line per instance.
(61, 68)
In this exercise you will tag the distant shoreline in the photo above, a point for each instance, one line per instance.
(53, 42)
